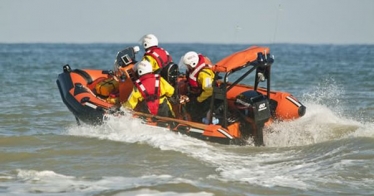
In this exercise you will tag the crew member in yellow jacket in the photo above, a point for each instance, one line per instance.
(157, 56)
(200, 80)
(151, 92)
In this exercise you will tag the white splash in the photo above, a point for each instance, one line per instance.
(324, 120)
(264, 166)
(48, 182)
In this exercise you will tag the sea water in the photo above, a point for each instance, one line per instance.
(329, 151)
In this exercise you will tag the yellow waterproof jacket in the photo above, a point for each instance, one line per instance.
(205, 79)
(153, 62)
(166, 90)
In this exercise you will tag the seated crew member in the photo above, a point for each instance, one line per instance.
(200, 79)
(150, 92)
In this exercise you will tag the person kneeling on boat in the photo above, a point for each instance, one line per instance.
(150, 92)
(200, 79)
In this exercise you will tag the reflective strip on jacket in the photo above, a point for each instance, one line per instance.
(201, 80)
(158, 57)
(165, 90)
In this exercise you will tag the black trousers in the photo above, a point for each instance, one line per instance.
(198, 110)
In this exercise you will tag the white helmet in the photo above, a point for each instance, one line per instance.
(191, 58)
(149, 40)
(144, 67)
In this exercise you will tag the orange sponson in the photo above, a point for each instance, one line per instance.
(96, 76)
(213, 131)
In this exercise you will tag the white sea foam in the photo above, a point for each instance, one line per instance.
(319, 124)
(257, 166)
(132, 130)
(48, 182)
(229, 165)
(324, 120)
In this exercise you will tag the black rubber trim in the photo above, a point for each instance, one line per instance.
(84, 74)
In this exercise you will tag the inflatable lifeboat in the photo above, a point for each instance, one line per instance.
(238, 111)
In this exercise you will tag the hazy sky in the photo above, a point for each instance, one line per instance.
(188, 21)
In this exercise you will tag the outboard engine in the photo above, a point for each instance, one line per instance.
(254, 105)
(254, 108)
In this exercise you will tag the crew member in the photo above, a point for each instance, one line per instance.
(157, 56)
(200, 80)
(150, 92)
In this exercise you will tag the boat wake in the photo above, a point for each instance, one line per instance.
(312, 148)
(325, 120)
(320, 124)
(128, 129)
(48, 182)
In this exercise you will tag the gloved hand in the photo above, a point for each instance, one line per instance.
(183, 99)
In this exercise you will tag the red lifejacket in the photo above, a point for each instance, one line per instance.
(149, 87)
(162, 56)
(192, 77)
